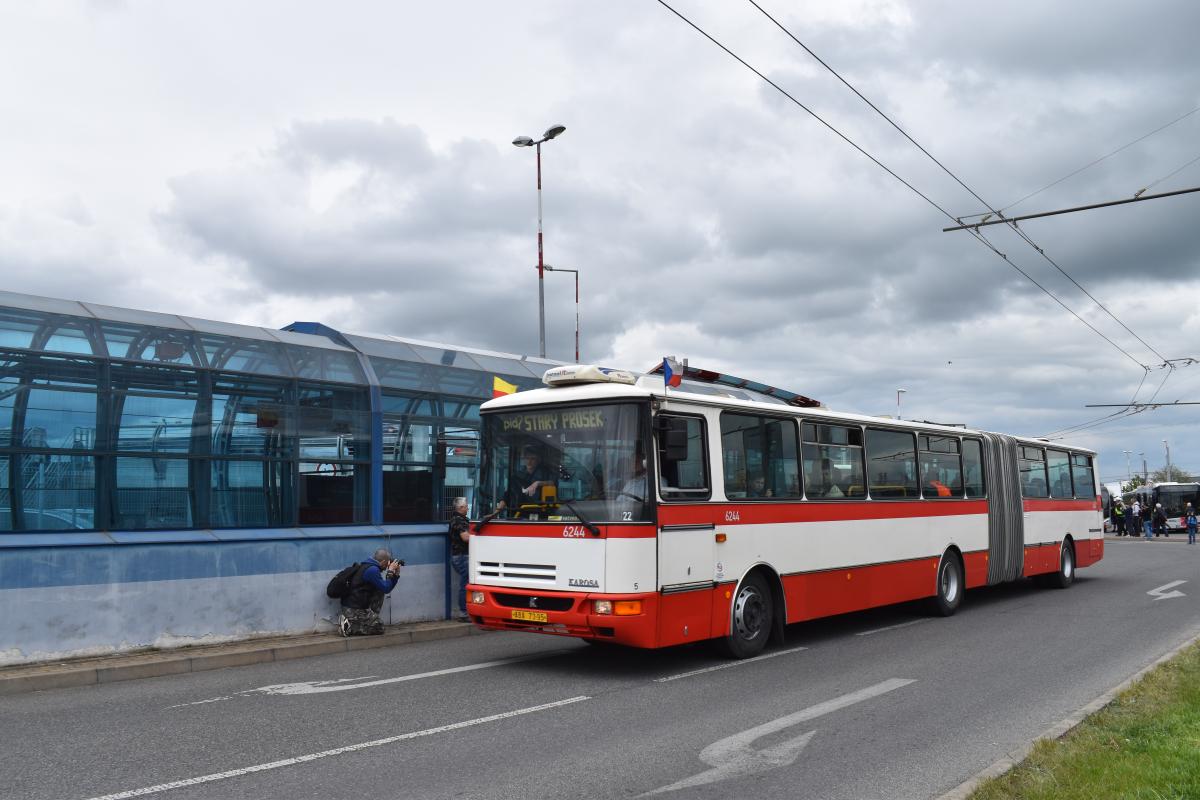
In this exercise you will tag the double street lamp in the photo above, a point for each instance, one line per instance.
(525, 141)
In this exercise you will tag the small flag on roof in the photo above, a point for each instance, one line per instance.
(501, 387)
(672, 372)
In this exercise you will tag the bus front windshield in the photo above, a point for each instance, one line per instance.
(567, 463)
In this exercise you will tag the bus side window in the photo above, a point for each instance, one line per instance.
(1081, 473)
(1058, 465)
(833, 461)
(682, 458)
(1032, 462)
(972, 454)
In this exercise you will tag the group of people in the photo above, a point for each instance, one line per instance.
(1134, 520)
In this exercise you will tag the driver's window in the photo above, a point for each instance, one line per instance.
(682, 458)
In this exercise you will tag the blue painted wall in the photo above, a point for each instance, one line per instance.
(115, 592)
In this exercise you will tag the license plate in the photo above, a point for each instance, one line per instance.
(530, 616)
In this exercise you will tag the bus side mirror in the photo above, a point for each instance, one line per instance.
(672, 437)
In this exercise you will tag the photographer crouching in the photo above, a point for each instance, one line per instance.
(363, 599)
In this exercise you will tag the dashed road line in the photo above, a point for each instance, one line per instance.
(892, 627)
(729, 664)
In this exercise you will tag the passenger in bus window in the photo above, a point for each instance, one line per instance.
(831, 489)
(934, 487)
(758, 487)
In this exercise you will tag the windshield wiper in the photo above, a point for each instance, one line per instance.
(593, 529)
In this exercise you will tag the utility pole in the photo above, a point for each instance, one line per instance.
(1145, 472)
(1164, 441)
(1128, 471)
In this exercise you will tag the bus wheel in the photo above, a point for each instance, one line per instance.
(949, 586)
(750, 626)
(1066, 568)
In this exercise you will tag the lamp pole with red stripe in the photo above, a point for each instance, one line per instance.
(525, 141)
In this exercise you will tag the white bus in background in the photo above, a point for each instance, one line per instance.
(724, 509)
(1173, 496)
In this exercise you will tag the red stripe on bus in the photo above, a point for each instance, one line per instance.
(1033, 504)
(760, 513)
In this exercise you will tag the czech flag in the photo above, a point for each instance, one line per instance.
(672, 374)
(501, 387)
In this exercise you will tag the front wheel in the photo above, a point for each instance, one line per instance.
(949, 586)
(751, 617)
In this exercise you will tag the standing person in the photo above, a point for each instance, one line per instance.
(1160, 520)
(362, 603)
(460, 558)
(1189, 519)
(1118, 519)
(1135, 518)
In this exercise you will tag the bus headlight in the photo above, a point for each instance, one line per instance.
(602, 606)
(476, 598)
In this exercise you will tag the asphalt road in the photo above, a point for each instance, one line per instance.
(885, 704)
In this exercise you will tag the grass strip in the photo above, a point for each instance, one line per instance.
(1145, 745)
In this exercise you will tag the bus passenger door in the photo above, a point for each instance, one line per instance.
(685, 581)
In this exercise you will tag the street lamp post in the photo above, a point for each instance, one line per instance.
(525, 141)
(549, 268)
(1128, 469)
(1145, 472)
(898, 393)
(1164, 441)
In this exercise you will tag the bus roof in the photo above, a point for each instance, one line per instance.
(722, 396)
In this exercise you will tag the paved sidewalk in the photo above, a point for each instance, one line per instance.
(153, 663)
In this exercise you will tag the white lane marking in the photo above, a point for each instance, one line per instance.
(345, 684)
(1161, 592)
(729, 664)
(337, 751)
(893, 627)
(320, 687)
(734, 757)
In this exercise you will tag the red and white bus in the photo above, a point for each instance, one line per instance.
(645, 516)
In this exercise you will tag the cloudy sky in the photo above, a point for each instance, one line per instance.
(351, 163)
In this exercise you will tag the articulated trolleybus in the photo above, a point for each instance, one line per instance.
(619, 510)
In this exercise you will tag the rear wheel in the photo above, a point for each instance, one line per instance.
(1066, 568)
(949, 586)
(751, 617)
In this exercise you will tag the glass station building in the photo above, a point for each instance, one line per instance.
(120, 420)
(166, 480)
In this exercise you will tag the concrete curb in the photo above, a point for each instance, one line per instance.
(1058, 730)
(109, 669)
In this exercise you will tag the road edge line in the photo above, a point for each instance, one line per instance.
(1061, 728)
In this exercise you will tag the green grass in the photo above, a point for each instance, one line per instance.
(1143, 746)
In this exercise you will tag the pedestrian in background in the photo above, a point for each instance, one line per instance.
(1135, 519)
(1118, 519)
(1160, 521)
(460, 554)
(364, 599)
(1189, 519)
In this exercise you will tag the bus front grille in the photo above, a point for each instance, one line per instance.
(545, 573)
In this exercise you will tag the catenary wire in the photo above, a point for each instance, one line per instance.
(884, 167)
(1149, 186)
(958, 180)
(1091, 164)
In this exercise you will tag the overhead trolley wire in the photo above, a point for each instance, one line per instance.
(1091, 164)
(958, 180)
(885, 168)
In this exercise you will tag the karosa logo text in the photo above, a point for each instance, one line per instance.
(584, 583)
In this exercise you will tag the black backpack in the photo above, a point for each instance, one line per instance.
(339, 586)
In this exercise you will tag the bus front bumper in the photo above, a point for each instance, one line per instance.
(565, 614)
